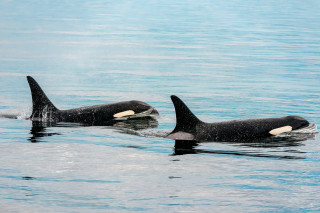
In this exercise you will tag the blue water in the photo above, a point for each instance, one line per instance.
(225, 59)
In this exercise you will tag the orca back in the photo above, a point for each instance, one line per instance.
(190, 128)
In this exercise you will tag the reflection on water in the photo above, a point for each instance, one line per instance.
(28, 178)
(290, 143)
(137, 124)
(40, 129)
(183, 151)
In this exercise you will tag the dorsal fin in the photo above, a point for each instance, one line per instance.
(42, 107)
(186, 120)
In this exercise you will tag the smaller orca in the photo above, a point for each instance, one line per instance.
(190, 128)
(103, 114)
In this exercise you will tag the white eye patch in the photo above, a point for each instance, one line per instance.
(280, 130)
(123, 114)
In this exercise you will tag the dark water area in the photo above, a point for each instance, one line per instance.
(227, 60)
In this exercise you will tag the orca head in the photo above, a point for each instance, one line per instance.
(130, 110)
(142, 107)
(297, 122)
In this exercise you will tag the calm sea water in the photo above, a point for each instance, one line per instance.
(225, 59)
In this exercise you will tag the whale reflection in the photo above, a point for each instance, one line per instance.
(41, 129)
(285, 147)
(137, 124)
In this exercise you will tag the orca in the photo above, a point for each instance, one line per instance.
(103, 114)
(190, 128)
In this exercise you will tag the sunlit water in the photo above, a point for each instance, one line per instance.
(225, 59)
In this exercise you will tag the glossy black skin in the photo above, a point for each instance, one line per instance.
(101, 114)
(243, 130)
(229, 131)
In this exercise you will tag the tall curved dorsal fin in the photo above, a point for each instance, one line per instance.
(41, 105)
(186, 121)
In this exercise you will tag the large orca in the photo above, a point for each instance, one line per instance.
(103, 114)
(190, 128)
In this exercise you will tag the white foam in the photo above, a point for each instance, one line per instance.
(310, 129)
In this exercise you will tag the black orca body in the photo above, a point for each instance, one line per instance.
(103, 114)
(190, 128)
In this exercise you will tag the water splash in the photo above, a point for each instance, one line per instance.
(47, 114)
(310, 129)
(13, 114)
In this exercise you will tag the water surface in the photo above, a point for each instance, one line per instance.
(225, 59)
